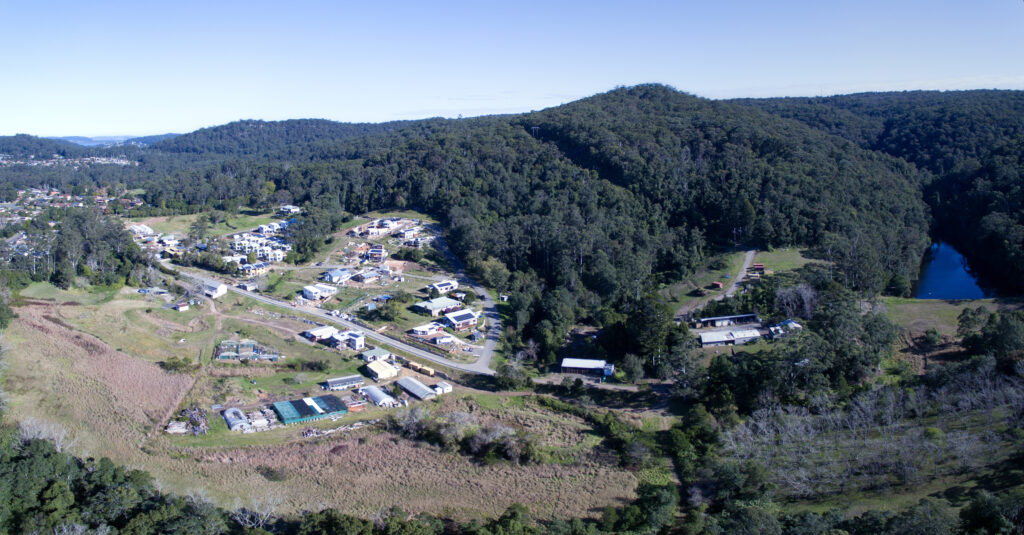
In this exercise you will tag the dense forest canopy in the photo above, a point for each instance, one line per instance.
(967, 143)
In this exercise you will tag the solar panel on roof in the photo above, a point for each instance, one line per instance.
(304, 410)
(329, 403)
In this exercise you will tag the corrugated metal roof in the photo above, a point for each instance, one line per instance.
(416, 388)
(376, 395)
(583, 363)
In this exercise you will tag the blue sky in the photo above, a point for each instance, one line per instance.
(110, 68)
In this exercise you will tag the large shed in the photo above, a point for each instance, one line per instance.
(380, 369)
(416, 388)
(588, 366)
(377, 396)
(309, 409)
(345, 383)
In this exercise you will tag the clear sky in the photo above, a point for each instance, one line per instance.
(136, 68)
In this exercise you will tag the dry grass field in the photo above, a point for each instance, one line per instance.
(108, 400)
(106, 389)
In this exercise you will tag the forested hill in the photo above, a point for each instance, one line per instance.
(269, 139)
(964, 140)
(23, 146)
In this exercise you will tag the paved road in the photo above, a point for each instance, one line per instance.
(748, 259)
(478, 367)
(490, 309)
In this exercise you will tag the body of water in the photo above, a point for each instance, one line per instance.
(945, 275)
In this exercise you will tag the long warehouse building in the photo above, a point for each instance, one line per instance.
(309, 409)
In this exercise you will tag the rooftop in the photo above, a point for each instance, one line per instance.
(583, 363)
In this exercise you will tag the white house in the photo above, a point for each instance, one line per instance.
(352, 339)
(444, 287)
(337, 276)
(318, 291)
(461, 320)
(214, 290)
(321, 333)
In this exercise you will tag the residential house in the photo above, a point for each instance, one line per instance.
(461, 320)
(214, 290)
(355, 340)
(439, 306)
(444, 287)
(377, 253)
(337, 276)
(726, 338)
(317, 292)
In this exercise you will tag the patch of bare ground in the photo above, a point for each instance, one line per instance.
(360, 475)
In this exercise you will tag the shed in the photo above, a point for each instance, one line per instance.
(236, 420)
(380, 370)
(442, 388)
(321, 333)
(377, 353)
(345, 383)
(308, 409)
(416, 388)
(377, 396)
(588, 366)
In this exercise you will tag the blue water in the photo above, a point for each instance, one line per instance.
(945, 275)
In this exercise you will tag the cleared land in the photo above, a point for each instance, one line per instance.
(179, 224)
(786, 259)
(684, 292)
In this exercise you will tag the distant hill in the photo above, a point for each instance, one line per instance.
(24, 146)
(113, 141)
(270, 139)
(145, 141)
(104, 141)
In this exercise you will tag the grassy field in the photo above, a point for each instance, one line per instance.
(786, 259)
(919, 315)
(179, 224)
(47, 291)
